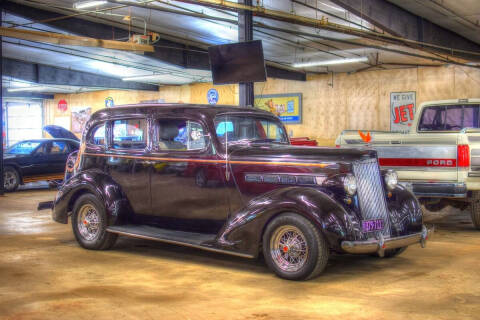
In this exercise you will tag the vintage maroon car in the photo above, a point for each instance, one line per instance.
(137, 175)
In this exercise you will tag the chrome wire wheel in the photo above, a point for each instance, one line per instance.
(289, 248)
(88, 222)
(9, 179)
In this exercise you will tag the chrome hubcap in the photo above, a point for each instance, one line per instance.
(289, 248)
(9, 180)
(88, 222)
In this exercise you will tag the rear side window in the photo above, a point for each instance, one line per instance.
(181, 135)
(130, 134)
(59, 147)
(449, 118)
(97, 135)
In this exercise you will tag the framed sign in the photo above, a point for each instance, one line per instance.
(288, 107)
(402, 110)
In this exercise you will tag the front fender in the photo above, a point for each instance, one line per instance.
(97, 183)
(406, 214)
(244, 229)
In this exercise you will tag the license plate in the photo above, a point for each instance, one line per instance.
(372, 225)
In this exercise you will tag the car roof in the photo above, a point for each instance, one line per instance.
(204, 110)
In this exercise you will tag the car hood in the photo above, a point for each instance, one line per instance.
(59, 132)
(289, 153)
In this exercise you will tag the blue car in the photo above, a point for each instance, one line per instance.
(38, 159)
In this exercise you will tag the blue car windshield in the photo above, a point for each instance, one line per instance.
(24, 147)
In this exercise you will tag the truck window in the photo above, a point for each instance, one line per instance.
(449, 118)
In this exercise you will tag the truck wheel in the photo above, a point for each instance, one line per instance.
(294, 248)
(89, 224)
(475, 209)
(11, 179)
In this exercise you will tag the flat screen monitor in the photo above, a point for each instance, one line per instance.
(237, 62)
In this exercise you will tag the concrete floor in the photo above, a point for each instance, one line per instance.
(44, 274)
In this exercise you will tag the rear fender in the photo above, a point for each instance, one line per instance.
(243, 230)
(97, 183)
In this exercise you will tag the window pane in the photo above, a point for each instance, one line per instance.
(180, 135)
(97, 135)
(248, 128)
(23, 147)
(470, 117)
(433, 118)
(453, 119)
(129, 134)
(59, 147)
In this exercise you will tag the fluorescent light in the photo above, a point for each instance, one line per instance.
(88, 4)
(144, 78)
(329, 62)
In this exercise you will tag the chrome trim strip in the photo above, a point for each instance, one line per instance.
(420, 168)
(134, 235)
(372, 246)
(418, 151)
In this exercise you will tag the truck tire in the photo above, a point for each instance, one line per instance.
(475, 209)
(294, 248)
(89, 224)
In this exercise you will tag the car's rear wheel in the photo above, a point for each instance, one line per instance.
(89, 224)
(294, 248)
(11, 179)
(475, 209)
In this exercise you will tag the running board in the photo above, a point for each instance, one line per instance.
(188, 239)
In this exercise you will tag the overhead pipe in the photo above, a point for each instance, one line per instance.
(320, 24)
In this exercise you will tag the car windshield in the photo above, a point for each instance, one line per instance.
(24, 147)
(246, 129)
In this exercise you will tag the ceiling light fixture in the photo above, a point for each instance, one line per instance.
(88, 4)
(329, 62)
(144, 78)
(30, 88)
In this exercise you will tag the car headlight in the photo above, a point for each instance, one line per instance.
(391, 179)
(350, 184)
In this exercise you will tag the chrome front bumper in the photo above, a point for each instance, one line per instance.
(381, 244)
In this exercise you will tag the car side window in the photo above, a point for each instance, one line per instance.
(59, 147)
(130, 134)
(97, 135)
(181, 135)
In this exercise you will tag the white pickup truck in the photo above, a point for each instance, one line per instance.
(438, 159)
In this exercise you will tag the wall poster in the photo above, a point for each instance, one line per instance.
(402, 110)
(80, 116)
(288, 107)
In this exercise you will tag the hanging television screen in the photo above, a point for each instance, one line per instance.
(237, 62)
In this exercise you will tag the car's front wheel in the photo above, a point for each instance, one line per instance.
(89, 224)
(294, 248)
(11, 179)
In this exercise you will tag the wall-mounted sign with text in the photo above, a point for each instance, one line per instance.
(402, 110)
(288, 107)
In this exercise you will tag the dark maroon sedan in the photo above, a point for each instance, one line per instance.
(226, 179)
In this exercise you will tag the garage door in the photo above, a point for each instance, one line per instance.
(24, 121)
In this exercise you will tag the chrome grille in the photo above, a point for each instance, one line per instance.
(370, 192)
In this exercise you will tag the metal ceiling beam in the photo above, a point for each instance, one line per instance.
(402, 23)
(48, 75)
(29, 95)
